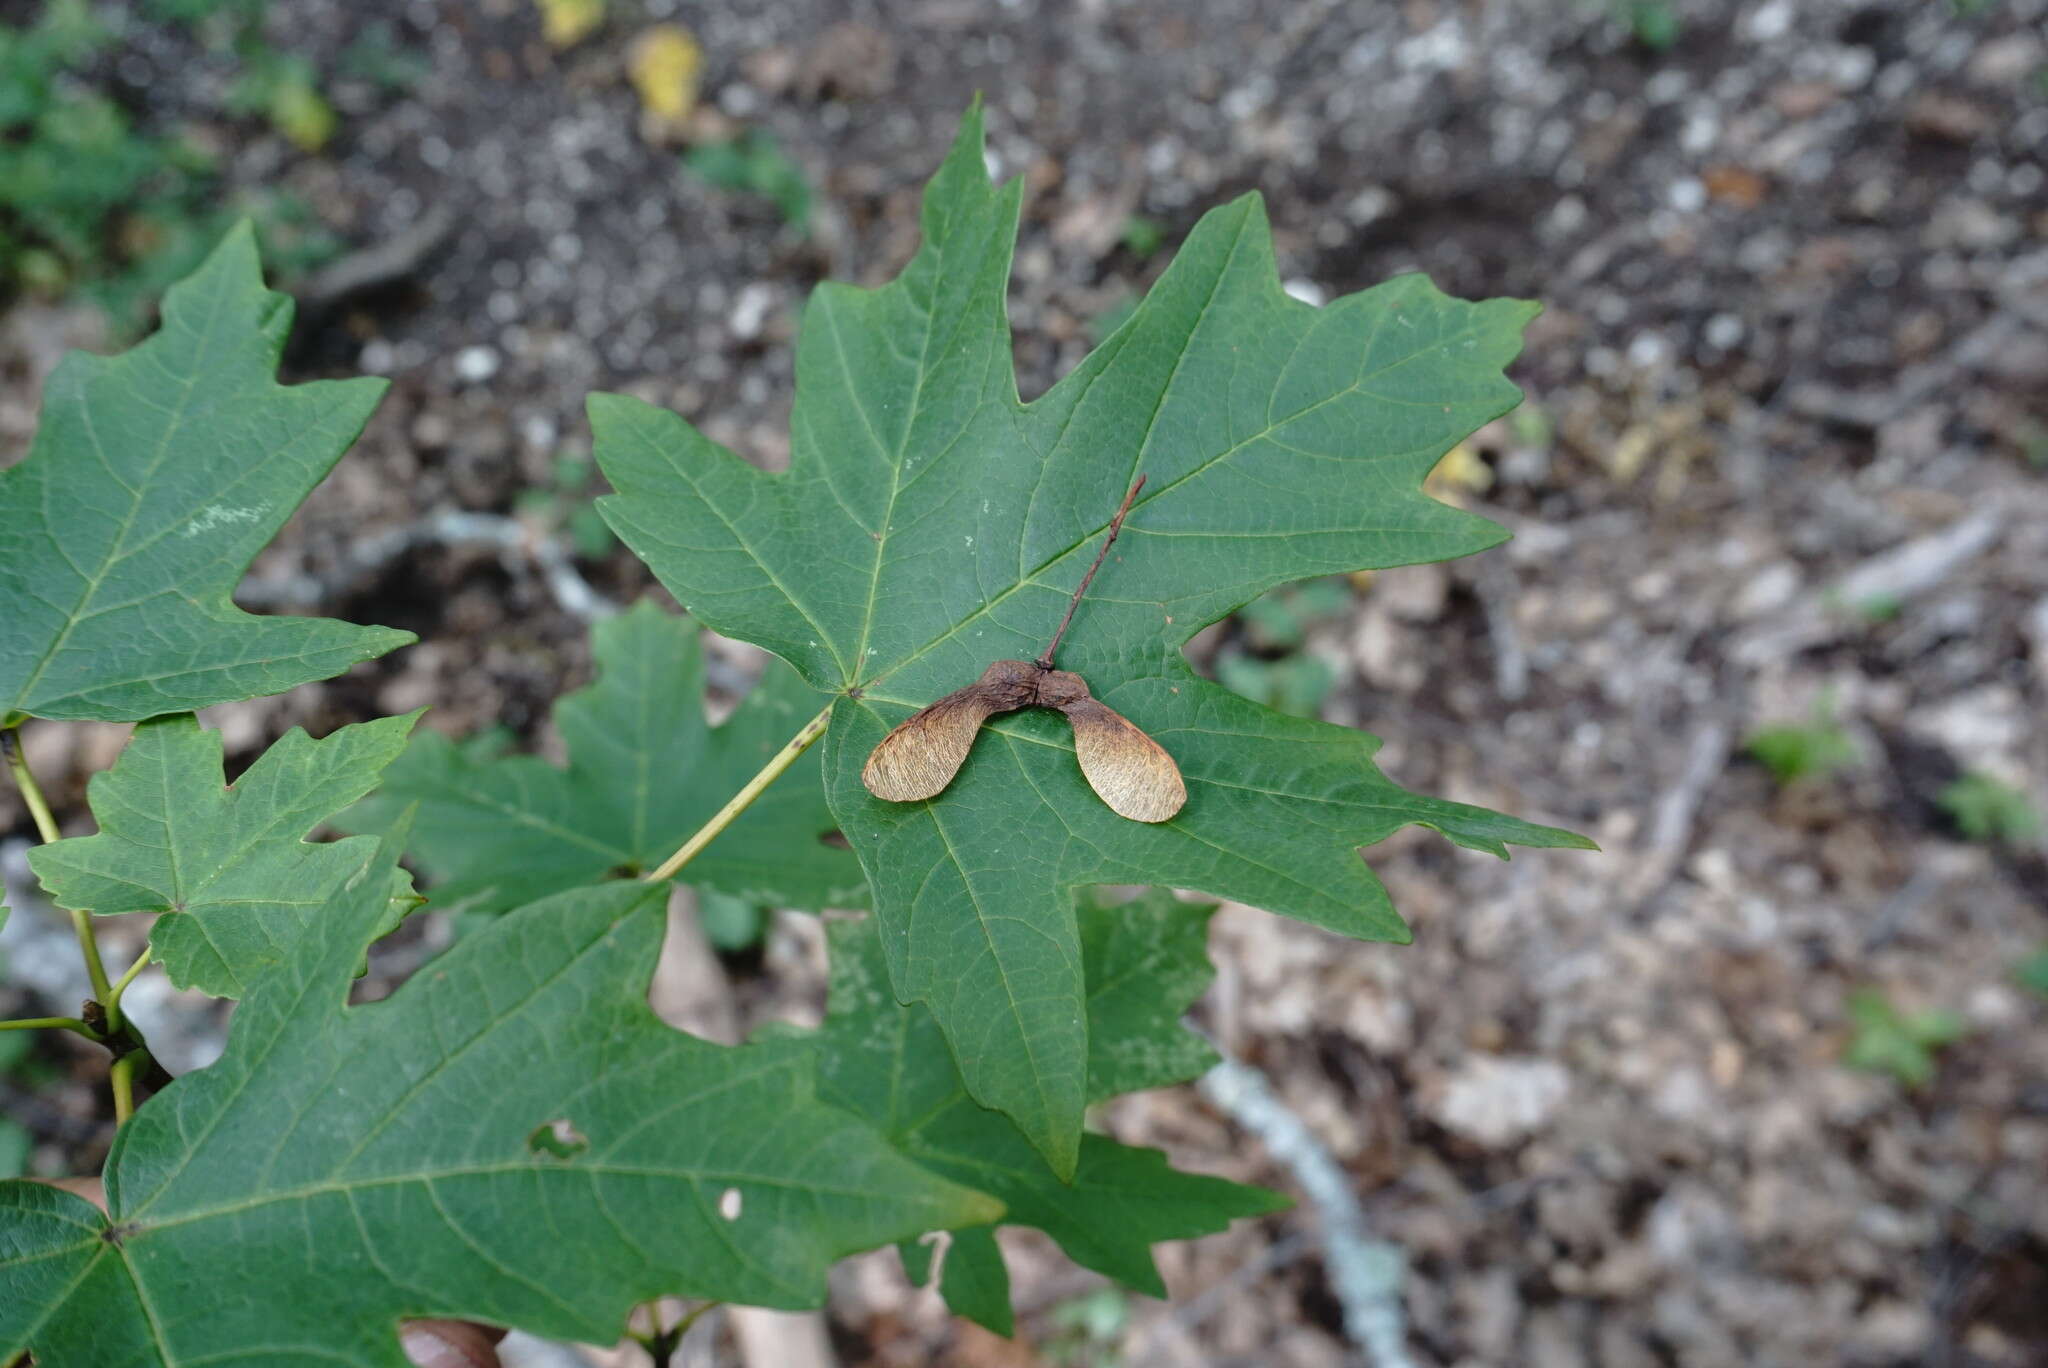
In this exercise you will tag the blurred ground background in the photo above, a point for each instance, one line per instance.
(1766, 1082)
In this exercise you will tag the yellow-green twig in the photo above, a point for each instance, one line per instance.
(46, 827)
(740, 801)
(31, 792)
(112, 1001)
(52, 1024)
(122, 1076)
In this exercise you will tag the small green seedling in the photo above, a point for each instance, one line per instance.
(377, 55)
(564, 505)
(284, 90)
(1087, 1329)
(1142, 236)
(1795, 751)
(755, 164)
(1269, 666)
(94, 203)
(2033, 972)
(1532, 426)
(1988, 809)
(1653, 23)
(1902, 1044)
(730, 923)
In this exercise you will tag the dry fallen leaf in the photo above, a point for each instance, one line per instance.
(566, 23)
(666, 64)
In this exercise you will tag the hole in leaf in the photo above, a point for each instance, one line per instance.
(557, 1139)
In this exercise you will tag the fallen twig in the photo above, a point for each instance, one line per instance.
(1904, 572)
(1871, 409)
(1365, 1273)
(1678, 808)
(380, 263)
(371, 554)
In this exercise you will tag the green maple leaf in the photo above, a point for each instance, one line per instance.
(155, 478)
(512, 1137)
(889, 1063)
(930, 523)
(645, 771)
(228, 864)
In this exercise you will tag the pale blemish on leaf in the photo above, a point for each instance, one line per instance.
(216, 516)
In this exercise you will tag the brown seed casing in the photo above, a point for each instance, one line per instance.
(1127, 769)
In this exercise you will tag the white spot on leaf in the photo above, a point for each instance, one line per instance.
(217, 516)
(729, 1204)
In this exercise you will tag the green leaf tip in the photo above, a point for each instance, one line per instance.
(930, 523)
(154, 478)
(888, 1062)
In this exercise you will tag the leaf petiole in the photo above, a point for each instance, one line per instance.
(122, 1077)
(72, 1024)
(744, 799)
(112, 1001)
(31, 792)
(46, 827)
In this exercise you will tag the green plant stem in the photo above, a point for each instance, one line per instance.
(108, 995)
(122, 1077)
(46, 827)
(31, 792)
(661, 1345)
(744, 799)
(683, 1326)
(112, 1001)
(53, 1024)
(89, 946)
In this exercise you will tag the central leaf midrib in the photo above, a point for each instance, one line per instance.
(931, 321)
(93, 582)
(1009, 991)
(1273, 425)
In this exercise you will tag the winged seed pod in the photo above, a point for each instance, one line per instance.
(1127, 769)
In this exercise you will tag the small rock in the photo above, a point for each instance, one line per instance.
(1950, 118)
(1771, 21)
(1985, 729)
(1496, 1100)
(1894, 1329)
(474, 365)
(2007, 61)
(1804, 99)
(432, 431)
(1971, 225)
(1307, 291)
(750, 310)
(2021, 361)
(1414, 593)
(1723, 331)
(849, 61)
